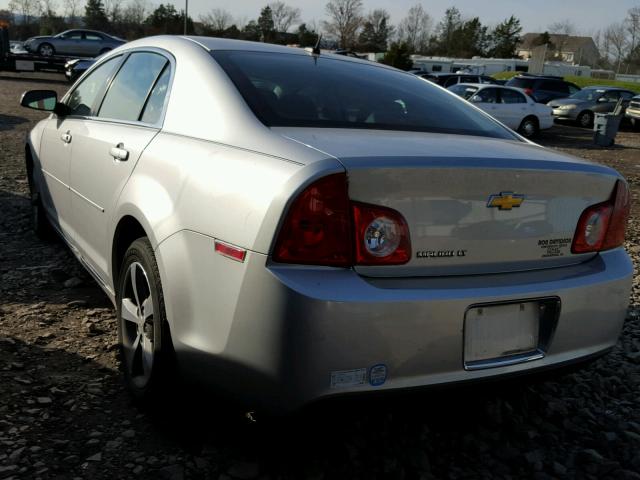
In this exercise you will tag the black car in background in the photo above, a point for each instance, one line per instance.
(447, 79)
(543, 88)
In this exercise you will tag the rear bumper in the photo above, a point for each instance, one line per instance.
(283, 336)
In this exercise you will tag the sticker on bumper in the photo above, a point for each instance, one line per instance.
(348, 378)
(377, 375)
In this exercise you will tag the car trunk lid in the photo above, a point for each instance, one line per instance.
(474, 205)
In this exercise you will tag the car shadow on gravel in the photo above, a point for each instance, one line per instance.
(9, 122)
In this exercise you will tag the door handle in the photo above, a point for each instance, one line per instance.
(119, 153)
(66, 137)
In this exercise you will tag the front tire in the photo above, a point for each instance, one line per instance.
(143, 332)
(585, 119)
(529, 127)
(46, 50)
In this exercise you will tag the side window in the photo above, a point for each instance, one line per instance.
(93, 37)
(75, 35)
(511, 96)
(153, 108)
(486, 95)
(130, 88)
(573, 89)
(82, 99)
(626, 95)
(611, 96)
(468, 79)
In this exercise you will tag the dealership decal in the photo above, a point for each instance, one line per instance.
(348, 378)
(554, 247)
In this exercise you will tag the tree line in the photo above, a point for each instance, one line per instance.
(346, 25)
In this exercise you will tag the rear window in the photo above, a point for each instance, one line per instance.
(293, 90)
(521, 82)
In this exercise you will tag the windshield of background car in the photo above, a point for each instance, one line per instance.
(292, 90)
(588, 94)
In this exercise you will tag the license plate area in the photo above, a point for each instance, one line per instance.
(501, 334)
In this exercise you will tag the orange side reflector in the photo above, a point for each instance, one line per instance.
(230, 251)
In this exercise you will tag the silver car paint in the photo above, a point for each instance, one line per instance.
(214, 171)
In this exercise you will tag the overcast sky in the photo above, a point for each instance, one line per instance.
(535, 15)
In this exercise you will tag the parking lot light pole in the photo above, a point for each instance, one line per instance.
(186, 14)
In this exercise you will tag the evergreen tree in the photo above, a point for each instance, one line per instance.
(94, 16)
(251, 31)
(505, 38)
(375, 32)
(398, 56)
(266, 26)
(306, 37)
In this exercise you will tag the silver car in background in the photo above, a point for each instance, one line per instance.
(582, 106)
(288, 226)
(78, 43)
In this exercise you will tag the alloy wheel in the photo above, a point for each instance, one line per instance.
(137, 325)
(46, 50)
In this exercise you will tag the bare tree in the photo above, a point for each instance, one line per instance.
(26, 8)
(47, 8)
(71, 9)
(632, 24)
(136, 12)
(217, 19)
(114, 10)
(415, 28)
(345, 18)
(615, 37)
(564, 29)
(284, 16)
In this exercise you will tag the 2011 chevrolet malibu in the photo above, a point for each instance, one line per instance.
(287, 225)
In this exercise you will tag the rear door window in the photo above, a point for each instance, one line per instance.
(132, 85)
(155, 103)
(486, 95)
(511, 96)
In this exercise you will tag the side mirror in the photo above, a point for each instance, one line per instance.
(40, 100)
(46, 100)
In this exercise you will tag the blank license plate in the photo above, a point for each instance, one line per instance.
(499, 331)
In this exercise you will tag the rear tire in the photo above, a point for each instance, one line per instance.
(46, 50)
(529, 127)
(143, 332)
(585, 119)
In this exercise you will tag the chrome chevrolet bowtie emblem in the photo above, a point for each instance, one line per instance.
(505, 200)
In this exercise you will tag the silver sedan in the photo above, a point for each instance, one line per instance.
(286, 225)
(79, 43)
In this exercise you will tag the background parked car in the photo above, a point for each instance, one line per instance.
(81, 43)
(447, 79)
(508, 105)
(16, 47)
(543, 89)
(633, 112)
(581, 106)
(74, 69)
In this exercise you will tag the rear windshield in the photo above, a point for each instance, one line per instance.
(521, 82)
(296, 90)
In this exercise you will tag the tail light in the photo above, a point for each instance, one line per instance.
(529, 91)
(602, 226)
(323, 227)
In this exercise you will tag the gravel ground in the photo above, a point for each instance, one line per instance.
(65, 415)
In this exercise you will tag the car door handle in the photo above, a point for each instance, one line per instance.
(66, 137)
(119, 153)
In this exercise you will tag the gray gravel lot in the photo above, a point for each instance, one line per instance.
(64, 413)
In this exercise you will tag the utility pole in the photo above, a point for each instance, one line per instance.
(186, 15)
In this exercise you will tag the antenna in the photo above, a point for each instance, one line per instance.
(316, 48)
